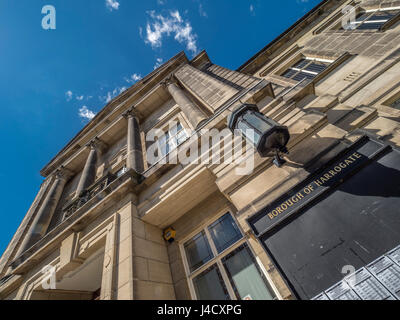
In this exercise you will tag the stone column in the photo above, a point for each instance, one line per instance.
(89, 171)
(191, 111)
(43, 217)
(134, 145)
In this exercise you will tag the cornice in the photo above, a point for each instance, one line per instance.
(75, 144)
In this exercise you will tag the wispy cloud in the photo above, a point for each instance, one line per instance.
(112, 94)
(158, 63)
(69, 95)
(86, 114)
(112, 5)
(202, 12)
(133, 78)
(251, 8)
(171, 24)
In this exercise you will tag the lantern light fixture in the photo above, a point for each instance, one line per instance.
(268, 136)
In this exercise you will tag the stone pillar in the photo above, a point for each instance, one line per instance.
(43, 217)
(191, 111)
(89, 171)
(134, 145)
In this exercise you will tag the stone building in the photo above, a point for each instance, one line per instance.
(101, 218)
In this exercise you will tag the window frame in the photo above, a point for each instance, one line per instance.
(304, 70)
(218, 257)
(388, 102)
(336, 62)
(339, 28)
(172, 139)
(164, 126)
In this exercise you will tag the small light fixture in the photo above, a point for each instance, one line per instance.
(269, 138)
(169, 235)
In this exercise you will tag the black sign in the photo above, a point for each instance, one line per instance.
(345, 214)
(314, 187)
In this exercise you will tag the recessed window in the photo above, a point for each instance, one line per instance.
(222, 266)
(306, 68)
(371, 20)
(393, 101)
(396, 104)
(172, 139)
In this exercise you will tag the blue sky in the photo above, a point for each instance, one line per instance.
(53, 81)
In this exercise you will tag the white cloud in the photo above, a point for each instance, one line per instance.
(69, 95)
(133, 78)
(112, 5)
(158, 63)
(86, 114)
(112, 94)
(80, 98)
(172, 24)
(251, 9)
(202, 12)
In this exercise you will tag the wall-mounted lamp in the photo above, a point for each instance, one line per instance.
(268, 136)
(169, 235)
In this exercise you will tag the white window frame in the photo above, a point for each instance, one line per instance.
(177, 118)
(307, 71)
(371, 11)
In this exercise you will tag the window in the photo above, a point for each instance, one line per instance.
(221, 265)
(307, 68)
(372, 20)
(121, 172)
(396, 104)
(172, 139)
(393, 101)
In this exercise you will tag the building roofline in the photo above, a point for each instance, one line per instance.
(108, 107)
(285, 33)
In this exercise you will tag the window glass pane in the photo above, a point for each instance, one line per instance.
(370, 26)
(383, 15)
(396, 104)
(245, 276)
(198, 251)
(302, 75)
(181, 137)
(362, 16)
(209, 285)
(178, 136)
(224, 232)
(316, 66)
(301, 64)
(359, 19)
(289, 73)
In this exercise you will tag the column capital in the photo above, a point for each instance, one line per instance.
(63, 173)
(169, 80)
(130, 113)
(97, 144)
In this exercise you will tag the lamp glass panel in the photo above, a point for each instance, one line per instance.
(248, 132)
(261, 125)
